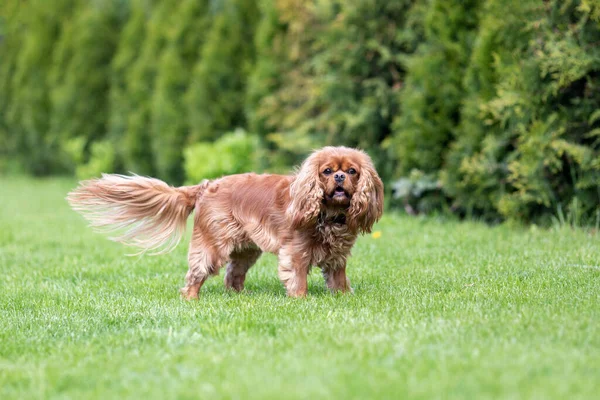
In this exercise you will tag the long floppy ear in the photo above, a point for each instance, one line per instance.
(306, 194)
(366, 205)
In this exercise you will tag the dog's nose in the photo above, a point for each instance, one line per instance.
(339, 177)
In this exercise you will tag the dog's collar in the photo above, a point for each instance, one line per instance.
(337, 219)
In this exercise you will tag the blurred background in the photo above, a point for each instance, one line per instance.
(486, 109)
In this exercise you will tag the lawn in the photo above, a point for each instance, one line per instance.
(441, 309)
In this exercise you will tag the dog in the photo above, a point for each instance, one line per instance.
(310, 218)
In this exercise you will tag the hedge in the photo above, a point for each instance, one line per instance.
(484, 108)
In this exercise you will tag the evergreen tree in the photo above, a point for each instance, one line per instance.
(216, 97)
(141, 76)
(282, 90)
(432, 93)
(126, 54)
(10, 44)
(329, 73)
(169, 124)
(29, 109)
(80, 76)
(358, 70)
(528, 146)
(266, 73)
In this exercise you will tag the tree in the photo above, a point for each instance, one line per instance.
(10, 44)
(120, 105)
(141, 77)
(216, 96)
(169, 122)
(432, 95)
(529, 143)
(80, 75)
(28, 113)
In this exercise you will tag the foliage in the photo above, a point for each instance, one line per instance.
(101, 158)
(527, 142)
(491, 104)
(120, 103)
(433, 90)
(141, 83)
(332, 74)
(79, 77)
(28, 110)
(216, 93)
(440, 310)
(169, 127)
(10, 43)
(232, 153)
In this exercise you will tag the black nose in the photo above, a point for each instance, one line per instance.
(339, 177)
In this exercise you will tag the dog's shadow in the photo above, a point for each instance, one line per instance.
(271, 288)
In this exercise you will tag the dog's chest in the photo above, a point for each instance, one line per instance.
(333, 241)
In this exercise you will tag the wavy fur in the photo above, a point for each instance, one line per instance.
(311, 218)
(142, 212)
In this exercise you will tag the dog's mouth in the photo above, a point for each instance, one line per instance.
(339, 193)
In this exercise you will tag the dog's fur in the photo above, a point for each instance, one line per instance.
(310, 218)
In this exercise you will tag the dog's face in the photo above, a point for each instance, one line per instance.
(337, 178)
(339, 175)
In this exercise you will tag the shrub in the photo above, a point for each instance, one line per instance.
(80, 74)
(216, 95)
(169, 118)
(233, 153)
(528, 143)
(101, 158)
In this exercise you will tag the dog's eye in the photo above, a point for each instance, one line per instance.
(351, 171)
(327, 171)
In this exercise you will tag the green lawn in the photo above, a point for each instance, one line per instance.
(440, 310)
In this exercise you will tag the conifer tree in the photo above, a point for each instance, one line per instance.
(328, 74)
(29, 110)
(141, 76)
(10, 44)
(432, 93)
(80, 76)
(216, 97)
(267, 72)
(169, 123)
(120, 106)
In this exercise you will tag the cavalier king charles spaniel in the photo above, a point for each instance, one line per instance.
(310, 218)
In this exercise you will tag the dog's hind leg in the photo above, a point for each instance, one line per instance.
(204, 259)
(240, 262)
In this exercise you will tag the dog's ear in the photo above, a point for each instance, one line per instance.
(366, 205)
(306, 194)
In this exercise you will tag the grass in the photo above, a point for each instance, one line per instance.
(441, 310)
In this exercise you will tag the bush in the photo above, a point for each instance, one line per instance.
(528, 142)
(169, 122)
(80, 75)
(101, 160)
(433, 91)
(487, 108)
(233, 153)
(216, 95)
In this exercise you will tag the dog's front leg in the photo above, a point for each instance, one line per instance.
(294, 264)
(334, 272)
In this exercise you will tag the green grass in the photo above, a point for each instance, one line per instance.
(441, 310)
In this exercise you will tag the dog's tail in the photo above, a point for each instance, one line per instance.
(142, 212)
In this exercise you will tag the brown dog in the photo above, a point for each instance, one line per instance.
(310, 218)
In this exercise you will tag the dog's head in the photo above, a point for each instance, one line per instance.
(339, 179)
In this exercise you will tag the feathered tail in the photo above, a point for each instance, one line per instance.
(141, 212)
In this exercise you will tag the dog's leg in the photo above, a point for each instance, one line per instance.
(204, 260)
(335, 276)
(293, 270)
(240, 263)
(192, 286)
